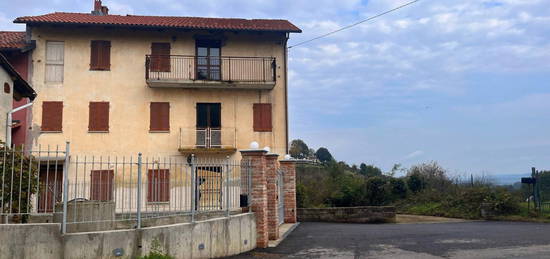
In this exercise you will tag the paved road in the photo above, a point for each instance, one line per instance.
(439, 240)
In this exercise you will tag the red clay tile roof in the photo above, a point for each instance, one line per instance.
(163, 22)
(12, 39)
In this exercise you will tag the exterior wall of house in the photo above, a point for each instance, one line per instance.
(6, 101)
(124, 86)
(20, 61)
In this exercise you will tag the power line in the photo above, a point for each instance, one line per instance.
(357, 23)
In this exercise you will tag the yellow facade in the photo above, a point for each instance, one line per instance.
(125, 87)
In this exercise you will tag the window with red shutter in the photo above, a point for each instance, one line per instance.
(159, 116)
(52, 116)
(262, 117)
(158, 187)
(100, 55)
(101, 187)
(160, 57)
(98, 117)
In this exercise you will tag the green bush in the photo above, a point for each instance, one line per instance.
(462, 203)
(375, 192)
(156, 252)
(397, 189)
(18, 175)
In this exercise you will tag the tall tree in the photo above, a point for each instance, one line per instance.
(299, 149)
(323, 155)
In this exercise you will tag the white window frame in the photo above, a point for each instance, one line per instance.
(54, 62)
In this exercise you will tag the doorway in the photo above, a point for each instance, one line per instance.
(208, 59)
(208, 125)
(50, 187)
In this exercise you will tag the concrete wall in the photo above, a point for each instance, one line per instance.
(369, 214)
(202, 239)
(124, 86)
(30, 241)
(6, 101)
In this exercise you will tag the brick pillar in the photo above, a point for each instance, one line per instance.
(272, 196)
(258, 195)
(289, 179)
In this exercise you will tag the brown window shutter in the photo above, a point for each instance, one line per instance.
(106, 55)
(150, 183)
(101, 187)
(94, 55)
(160, 57)
(100, 55)
(158, 187)
(262, 117)
(266, 117)
(52, 116)
(98, 116)
(159, 116)
(165, 190)
(257, 117)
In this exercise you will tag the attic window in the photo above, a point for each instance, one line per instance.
(7, 88)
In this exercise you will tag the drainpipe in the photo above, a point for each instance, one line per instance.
(286, 90)
(9, 121)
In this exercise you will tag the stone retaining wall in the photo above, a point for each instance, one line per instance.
(368, 214)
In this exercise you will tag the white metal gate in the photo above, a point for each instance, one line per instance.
(281, 196)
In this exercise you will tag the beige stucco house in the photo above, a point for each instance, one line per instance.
(166, 86)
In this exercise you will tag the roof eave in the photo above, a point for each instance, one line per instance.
(20, 84)
(149, 27)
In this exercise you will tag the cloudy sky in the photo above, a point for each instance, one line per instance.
(462, 82)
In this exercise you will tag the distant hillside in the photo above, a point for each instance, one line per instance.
(505, 179)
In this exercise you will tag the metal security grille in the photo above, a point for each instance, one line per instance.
(209, 138)
(281, 196)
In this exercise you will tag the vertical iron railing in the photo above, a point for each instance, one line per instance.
(65, 187)
(225, 69)
(93, 193)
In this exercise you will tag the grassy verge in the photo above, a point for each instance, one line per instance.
(439, 209)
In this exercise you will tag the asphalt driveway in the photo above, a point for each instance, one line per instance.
(439, 240)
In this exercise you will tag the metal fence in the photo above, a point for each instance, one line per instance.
(109, 192)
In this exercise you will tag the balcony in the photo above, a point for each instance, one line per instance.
(197, 72)
(208, 140)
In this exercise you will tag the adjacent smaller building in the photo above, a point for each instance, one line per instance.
(15, 88)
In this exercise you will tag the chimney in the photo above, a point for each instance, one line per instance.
(97, 5)
(100, 9)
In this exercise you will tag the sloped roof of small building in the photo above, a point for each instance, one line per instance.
(12, 40)
(20, 85)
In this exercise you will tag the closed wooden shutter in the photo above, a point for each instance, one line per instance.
(99, 116)
(52, 116)
(160, 57)
(100, 55)
(158, 187)
(101, 187)
(54, 61)
(262, 117)
(159, 116)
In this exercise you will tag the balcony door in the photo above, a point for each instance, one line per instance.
(208, 60)
(209, 125)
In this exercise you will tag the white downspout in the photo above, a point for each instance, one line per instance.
(9, 121)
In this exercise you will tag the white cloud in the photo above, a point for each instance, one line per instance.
(119, 8)
(414, 154)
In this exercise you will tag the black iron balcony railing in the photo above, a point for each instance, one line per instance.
(225, 69)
